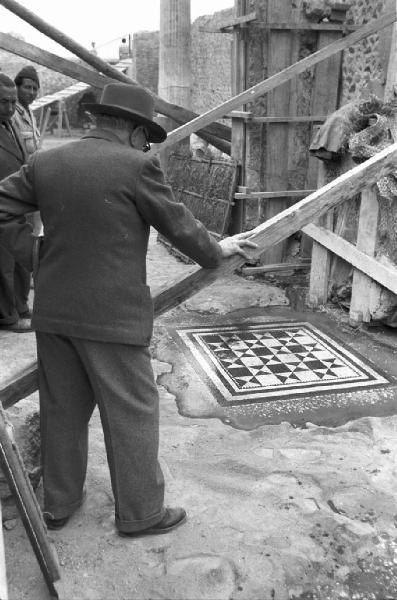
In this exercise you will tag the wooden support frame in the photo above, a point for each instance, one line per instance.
(265, 235)
(275, 194)
(239, 130)
(279, 78)
(371, 267)
(366, 241)
(321, 258)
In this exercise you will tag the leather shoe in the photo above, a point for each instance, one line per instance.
(55, 524)
(173, 517)
(21, 326)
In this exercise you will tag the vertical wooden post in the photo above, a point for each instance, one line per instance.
(324, 102)
(366, 240)
(321, 257)
(238, 125)
(238, 154)
(3, 572)
(59, 120)
(280, 54)
(391, 55)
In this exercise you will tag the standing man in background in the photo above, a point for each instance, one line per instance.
(28, 85)
(124, 49)
(14, 279)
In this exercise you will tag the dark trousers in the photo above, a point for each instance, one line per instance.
(75, 375)
(14, 289)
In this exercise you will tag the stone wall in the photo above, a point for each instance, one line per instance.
(211, 62)
(364, 61)
(145, 52)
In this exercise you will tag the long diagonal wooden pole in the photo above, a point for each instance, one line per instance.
(177, 113)
(279, 78)
(266, 235)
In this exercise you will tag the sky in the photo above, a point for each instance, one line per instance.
(90, 20)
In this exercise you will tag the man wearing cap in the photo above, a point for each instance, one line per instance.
(93, 312)
(14, 279)
(28, 85)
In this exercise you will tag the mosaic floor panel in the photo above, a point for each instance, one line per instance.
(259, 363)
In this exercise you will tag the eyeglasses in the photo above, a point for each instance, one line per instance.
(146, 146)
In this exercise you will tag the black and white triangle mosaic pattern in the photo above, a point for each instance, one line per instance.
(265, 362)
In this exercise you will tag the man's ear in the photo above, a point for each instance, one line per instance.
(133, 137)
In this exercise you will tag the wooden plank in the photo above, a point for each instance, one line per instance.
(282, 51)
(366, 241)
(52, 61)
(17, 388)
(390, 53)
(239, 20)
(272, 268)
(278, 194)
(238, 153)
(28, 506)
(238, 149)
(3, 572)
(325, 98)
(279, 78)
(380, 273)
(306, 26)
(297, 119)
(321, 258)
(248, 116)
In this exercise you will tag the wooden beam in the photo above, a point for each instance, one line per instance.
(274, 194)
(366, 242)
(177, 113)
(306, 26)
(239, 20)
(19, 387)
(279, 78)
(272, 268)
(321, 258)
(385, 275)
(52, 61)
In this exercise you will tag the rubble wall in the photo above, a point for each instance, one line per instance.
(365, 60)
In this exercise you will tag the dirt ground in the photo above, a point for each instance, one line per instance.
(275, 512)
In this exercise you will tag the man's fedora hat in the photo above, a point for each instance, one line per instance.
(129, 101)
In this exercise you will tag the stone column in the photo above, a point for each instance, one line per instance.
(174, 57)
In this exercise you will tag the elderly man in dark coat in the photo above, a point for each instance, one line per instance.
(14, 279)
(93, 311)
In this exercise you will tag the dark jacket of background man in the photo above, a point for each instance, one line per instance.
(14, 279)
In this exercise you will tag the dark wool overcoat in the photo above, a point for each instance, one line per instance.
(12, 155)
(98, 199)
